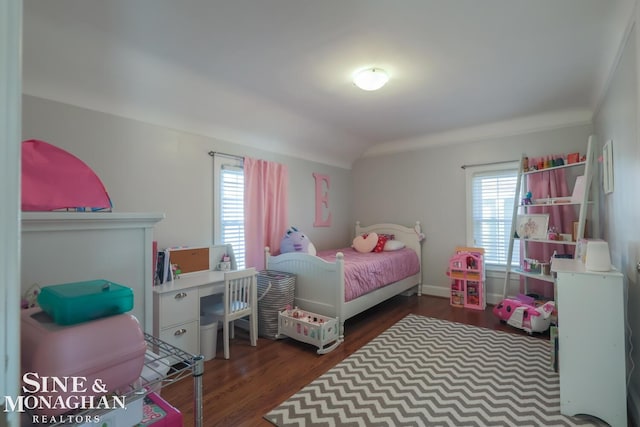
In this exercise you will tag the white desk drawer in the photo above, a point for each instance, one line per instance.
(179, 307)
(186, 336)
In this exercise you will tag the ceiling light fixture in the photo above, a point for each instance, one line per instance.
(370, 78)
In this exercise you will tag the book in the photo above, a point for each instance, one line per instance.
(163, 268)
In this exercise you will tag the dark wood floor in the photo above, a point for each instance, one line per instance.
(239, 391)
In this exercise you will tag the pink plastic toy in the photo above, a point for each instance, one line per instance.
(525, 316)
(109, 352)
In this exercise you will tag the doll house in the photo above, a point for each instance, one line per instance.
(466, 271)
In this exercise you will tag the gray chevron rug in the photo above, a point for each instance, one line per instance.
(430, 372)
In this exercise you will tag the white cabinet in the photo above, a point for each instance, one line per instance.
(581, 198)
(177, 318)
(591, 332)
(176, 308)
(185, 336)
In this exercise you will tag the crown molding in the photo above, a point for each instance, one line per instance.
(519, 126)
(605, 83)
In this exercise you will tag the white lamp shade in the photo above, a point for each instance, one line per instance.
(370, 79)
(598, 258)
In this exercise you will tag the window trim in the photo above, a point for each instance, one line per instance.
(470, 172)
(219, 163)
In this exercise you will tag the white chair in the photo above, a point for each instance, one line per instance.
(240, 300)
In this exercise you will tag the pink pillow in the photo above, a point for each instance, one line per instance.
(365, 243)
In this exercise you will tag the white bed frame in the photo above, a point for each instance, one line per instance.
(319, 284)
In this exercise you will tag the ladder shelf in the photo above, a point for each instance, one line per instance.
(584, 199)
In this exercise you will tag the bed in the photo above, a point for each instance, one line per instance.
(320, 283)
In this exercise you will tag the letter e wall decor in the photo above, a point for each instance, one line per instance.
(322, 200)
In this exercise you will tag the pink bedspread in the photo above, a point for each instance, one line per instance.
(365, 272)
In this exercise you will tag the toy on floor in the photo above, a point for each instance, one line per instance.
(524, 315)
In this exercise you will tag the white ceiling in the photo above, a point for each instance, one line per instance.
(275, 74)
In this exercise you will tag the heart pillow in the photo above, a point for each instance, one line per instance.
(365, 243)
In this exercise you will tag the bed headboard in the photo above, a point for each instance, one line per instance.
(410, 236)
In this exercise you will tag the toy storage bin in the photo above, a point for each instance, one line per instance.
(72, 303)
(109, 350)
(310, 328)
(276, 290)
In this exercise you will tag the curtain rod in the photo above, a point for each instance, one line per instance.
(232, 156)
(487, 164)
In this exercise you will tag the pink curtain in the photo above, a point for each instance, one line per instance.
(266, 219)
(545, 185)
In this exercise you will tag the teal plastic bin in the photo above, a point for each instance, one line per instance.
(78, 302)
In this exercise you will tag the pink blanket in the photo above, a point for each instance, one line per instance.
(365, 272)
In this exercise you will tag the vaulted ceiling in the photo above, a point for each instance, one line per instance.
(276, 74)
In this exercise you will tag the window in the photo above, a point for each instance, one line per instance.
(229, 205)
(490, 197)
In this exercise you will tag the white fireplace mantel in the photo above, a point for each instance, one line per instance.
(63, 247)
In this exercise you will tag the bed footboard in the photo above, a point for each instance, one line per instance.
(319, 284)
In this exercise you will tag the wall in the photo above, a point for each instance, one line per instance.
(617, 120)
(148, 168)
(428, 185)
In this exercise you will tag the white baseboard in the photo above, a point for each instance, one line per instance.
(494, 298)
(439, 291)
(436, 291)
(633, 404)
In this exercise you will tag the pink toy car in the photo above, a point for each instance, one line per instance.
(525, 315)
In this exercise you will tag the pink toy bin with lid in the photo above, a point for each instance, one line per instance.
(108, 351)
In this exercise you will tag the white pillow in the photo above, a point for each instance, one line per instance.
(393, 245)
(365, 243)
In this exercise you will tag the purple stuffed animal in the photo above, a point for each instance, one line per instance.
(295, 240)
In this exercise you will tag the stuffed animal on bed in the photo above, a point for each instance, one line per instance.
(295, 240)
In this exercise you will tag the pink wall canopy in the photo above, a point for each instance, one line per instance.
(54, 179)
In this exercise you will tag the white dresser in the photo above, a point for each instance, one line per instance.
(592, 352)
(176, 313)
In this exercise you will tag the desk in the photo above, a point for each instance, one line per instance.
(176, 308)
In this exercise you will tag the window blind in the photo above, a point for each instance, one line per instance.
(232, 210)
(492, 208)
